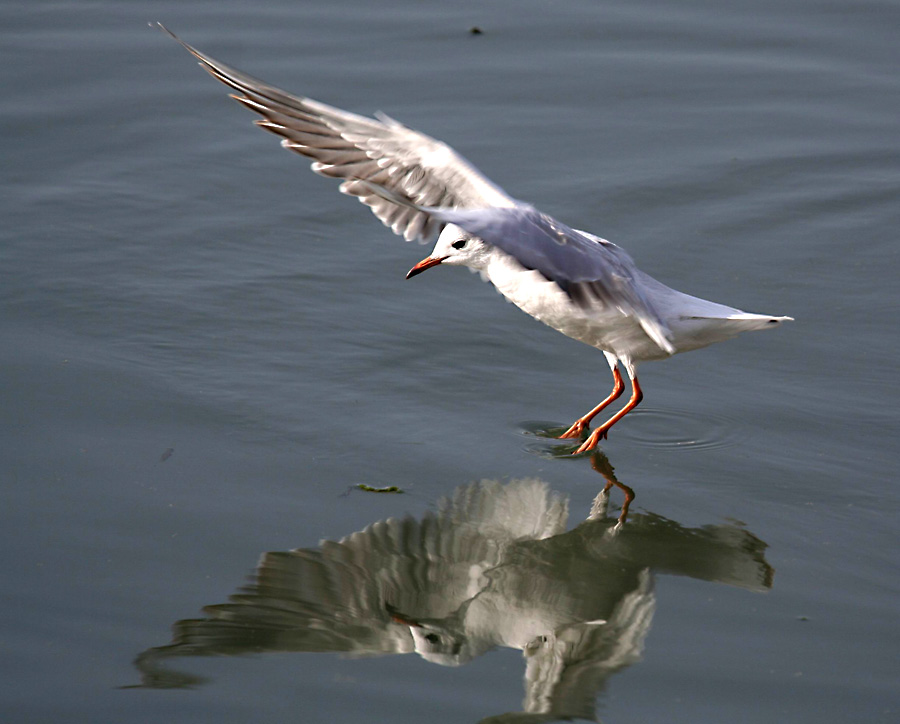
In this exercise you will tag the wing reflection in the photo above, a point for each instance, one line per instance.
(492, 566)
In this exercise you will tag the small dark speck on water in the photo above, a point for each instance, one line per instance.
(167, 454)
(475, 30)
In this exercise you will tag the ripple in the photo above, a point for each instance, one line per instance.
(681, 429)
(662, 429)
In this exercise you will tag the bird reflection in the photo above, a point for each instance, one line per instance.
(492, 566)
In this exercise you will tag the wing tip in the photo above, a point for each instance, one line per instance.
(163, 29)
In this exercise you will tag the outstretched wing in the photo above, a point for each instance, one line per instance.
(360, 150)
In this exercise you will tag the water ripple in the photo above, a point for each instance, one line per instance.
(681, 429)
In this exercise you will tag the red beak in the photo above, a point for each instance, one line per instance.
(426, 263)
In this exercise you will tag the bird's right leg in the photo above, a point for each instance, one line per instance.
(581, 424)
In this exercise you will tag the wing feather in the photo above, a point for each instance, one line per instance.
(380, 151)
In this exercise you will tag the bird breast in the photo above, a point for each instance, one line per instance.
(599, 326)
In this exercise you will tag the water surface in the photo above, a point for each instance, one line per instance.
(206, 346)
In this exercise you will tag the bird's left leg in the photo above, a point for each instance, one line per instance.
(634, 401)
(581, 423)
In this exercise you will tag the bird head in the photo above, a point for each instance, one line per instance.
(455, 247)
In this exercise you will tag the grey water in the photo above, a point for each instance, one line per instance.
(206, 350)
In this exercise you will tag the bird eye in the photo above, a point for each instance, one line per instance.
(459, 243)
(432, 638)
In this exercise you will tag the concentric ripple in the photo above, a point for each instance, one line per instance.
(680, 429)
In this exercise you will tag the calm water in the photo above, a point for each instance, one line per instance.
(206, 348)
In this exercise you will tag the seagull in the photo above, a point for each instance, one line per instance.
(581, 285)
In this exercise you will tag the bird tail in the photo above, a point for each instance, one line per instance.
(747, 322)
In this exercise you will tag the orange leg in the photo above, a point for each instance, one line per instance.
(582, 422)
(600, 433)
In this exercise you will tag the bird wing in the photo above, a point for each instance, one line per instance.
(361, 151)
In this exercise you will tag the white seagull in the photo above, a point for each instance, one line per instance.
(579, 284)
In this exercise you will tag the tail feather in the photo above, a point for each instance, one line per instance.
(745, 321)
(762, 320)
